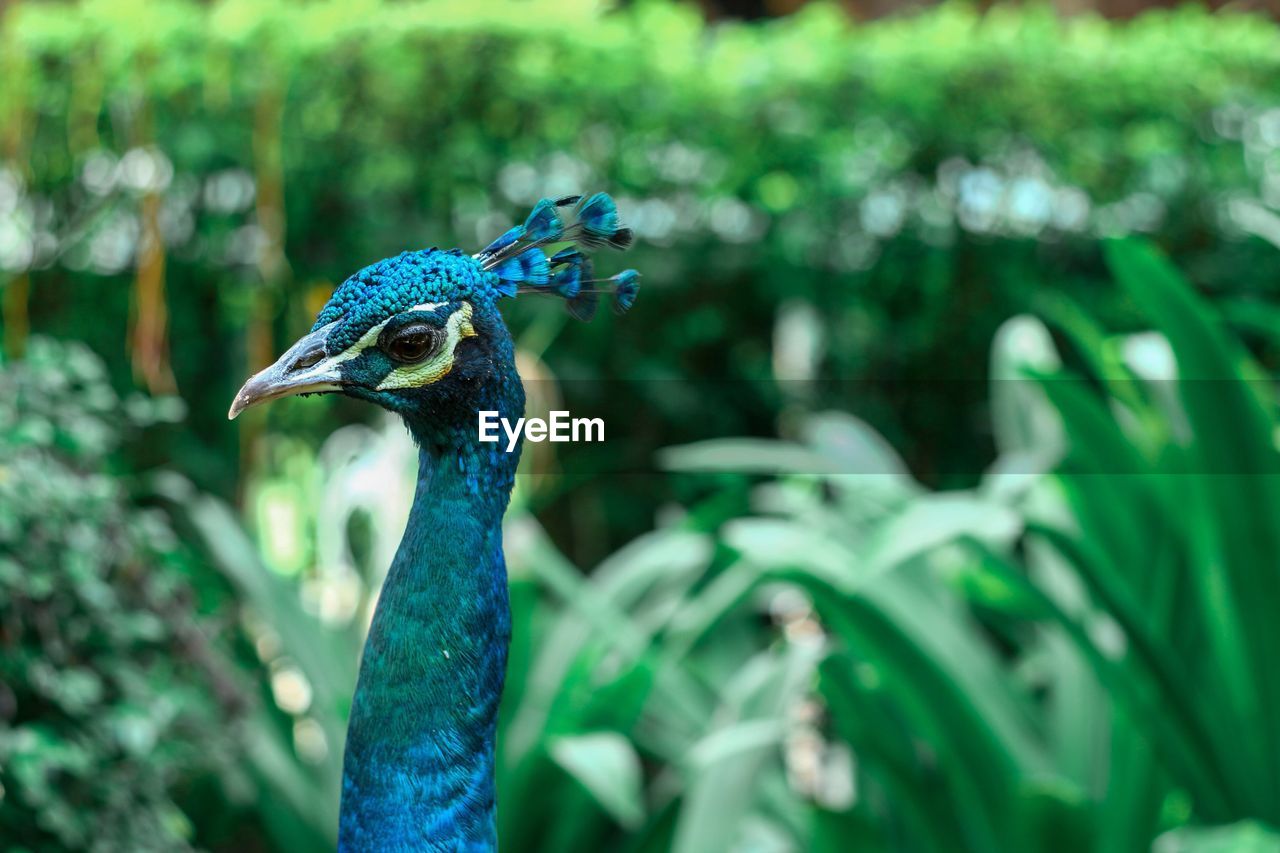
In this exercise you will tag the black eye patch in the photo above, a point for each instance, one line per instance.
(411, 342)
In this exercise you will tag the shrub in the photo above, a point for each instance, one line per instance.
(113, 699)
(1076, 653)
(906, 178)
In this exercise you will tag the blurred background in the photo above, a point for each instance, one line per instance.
(940, 507)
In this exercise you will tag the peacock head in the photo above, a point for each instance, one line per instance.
(420, 334)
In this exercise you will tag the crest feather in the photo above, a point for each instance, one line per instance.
(522, 266)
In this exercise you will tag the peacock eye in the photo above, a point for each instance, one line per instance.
(412, 343)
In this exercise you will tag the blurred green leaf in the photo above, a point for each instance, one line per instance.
(1243, 837)
(607, 766)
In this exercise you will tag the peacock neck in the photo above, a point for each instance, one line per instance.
(419, 763)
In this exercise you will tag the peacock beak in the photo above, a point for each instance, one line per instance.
(304, 369)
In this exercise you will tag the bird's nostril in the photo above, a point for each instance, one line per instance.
(310, 358)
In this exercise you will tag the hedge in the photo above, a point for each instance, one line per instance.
(185, 182)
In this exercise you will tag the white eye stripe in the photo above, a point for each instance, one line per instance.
(457, 327)
(426, 306)
(370, 338)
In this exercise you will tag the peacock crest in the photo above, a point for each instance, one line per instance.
(519, 259)
(546, 255)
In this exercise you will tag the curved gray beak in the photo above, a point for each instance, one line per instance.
(304, 369)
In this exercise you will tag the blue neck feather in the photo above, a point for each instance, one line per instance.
(418, 770)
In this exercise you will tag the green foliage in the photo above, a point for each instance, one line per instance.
(291, 745)
(1176, 546)
(1243, 837)
(906, 179)
(113, 700)
(1072, 655)
(817, 651)
(1075, 660)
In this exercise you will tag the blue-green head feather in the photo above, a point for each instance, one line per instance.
(420, 333)
(543, 224)
(626, 287)
(594, 223)
(572, 269)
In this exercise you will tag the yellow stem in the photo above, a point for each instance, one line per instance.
(273, 266)
(15, 305)
(149, 326)
(16, 325)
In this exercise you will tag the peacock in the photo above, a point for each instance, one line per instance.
(420, 334)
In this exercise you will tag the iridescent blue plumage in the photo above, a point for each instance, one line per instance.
(571, 269)
(626, 287)
(543, 224)
(508, 239)
(420, 334)
(529, 267)
(521, 265)
(419, 764)
(598, 224)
